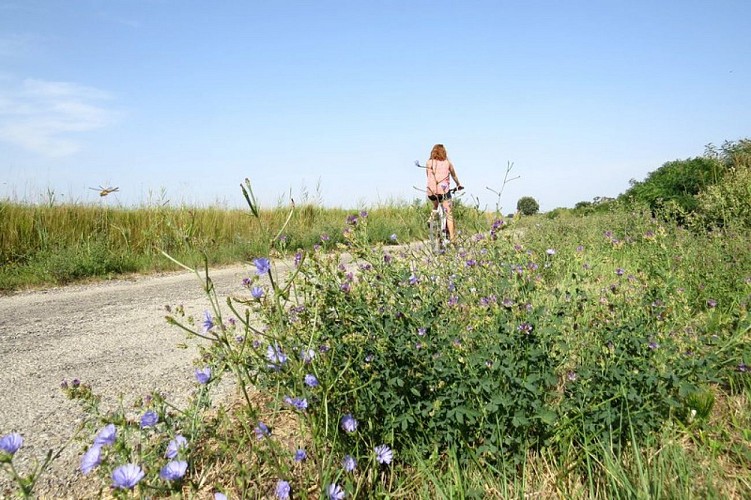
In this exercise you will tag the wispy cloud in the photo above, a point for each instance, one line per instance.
(44, 117)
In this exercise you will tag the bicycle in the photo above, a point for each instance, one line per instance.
(438, 231)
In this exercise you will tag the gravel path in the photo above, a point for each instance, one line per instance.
(111, 335)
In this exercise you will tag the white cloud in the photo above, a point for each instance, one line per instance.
(43, 117)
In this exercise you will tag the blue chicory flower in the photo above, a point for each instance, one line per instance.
(208, 321)
(127, 476)
(282, 490)
(335, 492)
(262, 431)
(174, 470)
(91, 459)
(384, 454)
(106, 436)
(203, 375)
(349, 463)
(175, 445)
(257, 292)
(10, 443)
(311, 380)
(149, 419)
(349, 424)
(300, 455)
(263, 265)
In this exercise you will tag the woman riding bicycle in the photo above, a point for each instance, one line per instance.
(440, 170)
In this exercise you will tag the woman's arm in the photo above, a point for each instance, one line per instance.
(453, 174)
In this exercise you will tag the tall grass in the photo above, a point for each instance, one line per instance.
(60, 243)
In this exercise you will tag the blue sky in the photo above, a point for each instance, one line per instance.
(334, 100)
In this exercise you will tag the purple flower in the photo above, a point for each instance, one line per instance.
(363, 213)
(654, 345)
(349, 463)
(106, 436)
(220, 496)
(384, 454)
(345, 287)
(453, 300)
(298, 258)
(282, 490)
(580, 248)
(471, 263)
(247, 282)
(742, 367)
(352, 220)
(149, 419)
(300, 455)
(619, 271)
(127, 476)
(325, 237)
(10, 443)
(91, 459)
(413, 280)
(263, 265)
(507, 302)
(550, 251)
(208, 321)
(393, 237)
(257, 292)
(335, 492)
(421, 331)
(175, 445)
(262, 431)
(525, 328)
(571, 376)
(299, 403)
(174, 470)
(203, 375)
(349, 424)
(311, 380)
(711, 303)
(275, 355)
(307, 355)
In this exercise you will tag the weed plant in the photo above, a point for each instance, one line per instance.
(598, 357)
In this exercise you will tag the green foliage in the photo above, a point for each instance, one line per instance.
(527, 205)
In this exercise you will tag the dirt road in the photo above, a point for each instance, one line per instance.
(111, 335)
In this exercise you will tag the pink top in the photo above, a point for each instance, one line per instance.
(439, 178)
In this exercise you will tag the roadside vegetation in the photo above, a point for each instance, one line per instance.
(597, 352)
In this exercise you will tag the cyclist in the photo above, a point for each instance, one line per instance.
(440, 171)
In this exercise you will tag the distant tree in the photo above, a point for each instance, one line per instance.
(527, 205)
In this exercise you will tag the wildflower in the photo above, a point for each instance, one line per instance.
(262, 431)
(387, 258)
(525, 328)
(619, 271)
(208, 321)
(257, 292)
(413, 280)
(453, 300)
(75, 382)
(345, 287)
(307, 355)
(300, 455)
(203, 375)
(247, 282)
(742, 367)
(127, 476)
(580, 248)
(275, 355)
(10, 443)
(282, 490)
(299, 403)
(393, 237)
(174, 470)
(653, 345)
(550, 251)
(298, 258)
(471, 263)
(349, 463)
(711, 303)
(384, 454)
(571, 376)
(106, 436)
(325, 237)
(91, 459)
(311, 380)
(335, 492)
(369, 358)
(175, 445)
(349, 424)
(363, 213)
(263, 265)
(507, 302)
(149, 419)
(418, 346)
(220, 496)
(352, 220)
(421, 331)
